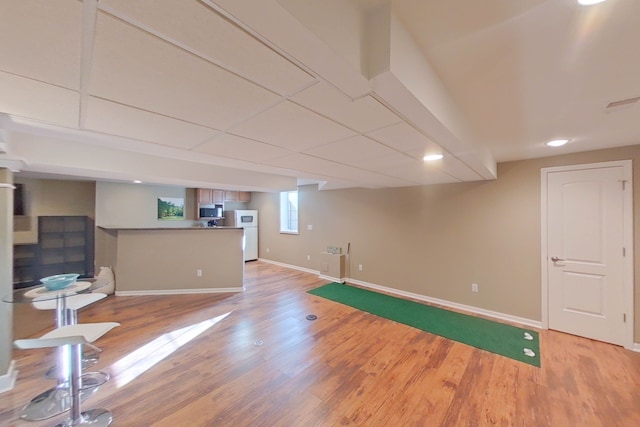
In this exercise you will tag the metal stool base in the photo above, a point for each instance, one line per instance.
(58, 399)
(87, 362)
(93, 417)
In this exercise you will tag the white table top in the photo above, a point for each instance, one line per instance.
(41, 293)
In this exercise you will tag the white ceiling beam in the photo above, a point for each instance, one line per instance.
(404, 81)
(50, 154)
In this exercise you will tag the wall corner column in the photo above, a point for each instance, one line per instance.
(7, 374)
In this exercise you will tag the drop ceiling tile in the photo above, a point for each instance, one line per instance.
(237, 147)
(420, 173)
(135, 68)
(41, 40)
(117, 119)
(403, 137)
(359, 151)
(363, 115)
(216, 38)
(38, 101)
(313, 165)
(290, 126)
(450, 165)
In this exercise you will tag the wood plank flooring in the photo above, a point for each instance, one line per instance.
(252, 359)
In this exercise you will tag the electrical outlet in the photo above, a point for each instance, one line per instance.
(267, 250)
(359, 267)
(474, 287)
(308, 257)
(199, 273)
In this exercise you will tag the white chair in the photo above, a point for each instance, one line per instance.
(73, 304)
(74, 336)
(70, 317)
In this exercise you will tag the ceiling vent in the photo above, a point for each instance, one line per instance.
(622, 103)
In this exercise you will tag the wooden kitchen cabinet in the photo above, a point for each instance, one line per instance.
(237, 196)
(244, 196)
(208, 196)
(230, 196)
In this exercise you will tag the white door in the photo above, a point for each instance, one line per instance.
(585, 218)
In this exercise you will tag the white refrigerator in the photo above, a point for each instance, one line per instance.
(247, 219)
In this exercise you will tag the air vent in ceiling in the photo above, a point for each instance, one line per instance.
(623, 102)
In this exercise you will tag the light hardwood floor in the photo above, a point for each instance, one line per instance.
(252, 359)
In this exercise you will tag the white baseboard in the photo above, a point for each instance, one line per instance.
(293, 267)
(332, 279)
(179, 291)
(468, 308)
(8, 380)
(635, 347)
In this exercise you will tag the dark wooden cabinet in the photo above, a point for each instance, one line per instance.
(66, 245)
(26, 265)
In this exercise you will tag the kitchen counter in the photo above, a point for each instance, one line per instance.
(174, 260)
(217, 227)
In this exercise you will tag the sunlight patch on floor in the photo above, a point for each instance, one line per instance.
(144, 358)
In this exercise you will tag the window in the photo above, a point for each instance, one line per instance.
(289, 212)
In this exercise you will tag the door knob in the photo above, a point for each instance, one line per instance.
(556, 259)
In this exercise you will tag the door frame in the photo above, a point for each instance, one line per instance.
(628, 261)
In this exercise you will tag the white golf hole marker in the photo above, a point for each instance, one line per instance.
(528, 336)
(529, 352)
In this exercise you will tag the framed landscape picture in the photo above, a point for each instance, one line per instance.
(170, 208)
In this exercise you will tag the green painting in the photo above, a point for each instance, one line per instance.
(170, 208)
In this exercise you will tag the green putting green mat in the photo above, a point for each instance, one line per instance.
(506, 340)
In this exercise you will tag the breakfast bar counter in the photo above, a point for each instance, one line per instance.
(168, 260)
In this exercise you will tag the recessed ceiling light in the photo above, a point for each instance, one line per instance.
(557, 142)
(589, 2)
(432, 157)
(137, 181)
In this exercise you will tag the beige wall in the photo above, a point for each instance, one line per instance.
(437, 240)
(133, 205)
(46, 197)
(136, 205)
(52, 197)
(168, 259)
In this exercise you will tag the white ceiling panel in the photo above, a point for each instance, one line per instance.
(405, 138)
(449, 164)
(41, 40)
(420, 173)
(39, 101)
(363, 115)
(237, 147)
(117, 119)
(135, 68)
(359, 151)
(314, 165)
(191, 80)
(292, 127)
(215, 38)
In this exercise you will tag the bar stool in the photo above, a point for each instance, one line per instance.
(73, 304)
(74, 336)
(70, 317)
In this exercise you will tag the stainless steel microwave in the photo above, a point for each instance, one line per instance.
(211, 212)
